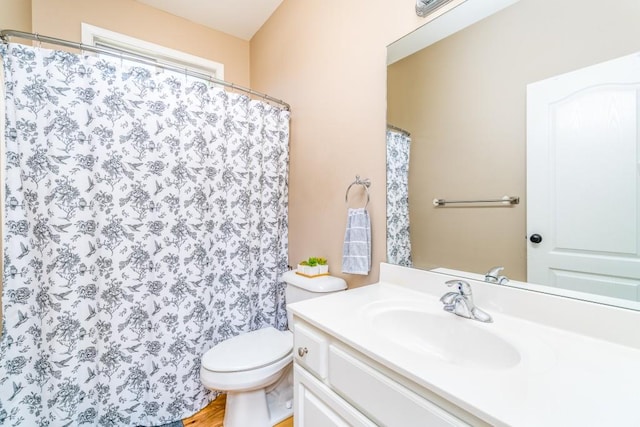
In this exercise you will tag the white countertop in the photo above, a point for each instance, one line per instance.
(564, 378)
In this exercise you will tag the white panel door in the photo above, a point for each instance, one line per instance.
(582, 179)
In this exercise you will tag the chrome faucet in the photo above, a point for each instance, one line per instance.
(461, 302)
(493, 276)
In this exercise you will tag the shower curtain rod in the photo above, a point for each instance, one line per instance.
(148, 60)
(392, 127)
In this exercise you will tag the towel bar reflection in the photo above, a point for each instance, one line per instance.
(506, 200)
(366, 183)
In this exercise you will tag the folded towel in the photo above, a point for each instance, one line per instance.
(356, 253)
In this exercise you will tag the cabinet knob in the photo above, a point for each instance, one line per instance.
(302, 351)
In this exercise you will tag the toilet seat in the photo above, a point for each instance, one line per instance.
(250, 351)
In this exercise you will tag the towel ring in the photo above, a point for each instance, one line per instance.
(366, 183)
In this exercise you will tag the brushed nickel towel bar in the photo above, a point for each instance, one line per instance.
(147, 60)
(506, 200)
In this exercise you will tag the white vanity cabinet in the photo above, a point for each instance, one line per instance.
(335, 385)
(387, 354)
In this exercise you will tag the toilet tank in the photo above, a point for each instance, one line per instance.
(300, 288)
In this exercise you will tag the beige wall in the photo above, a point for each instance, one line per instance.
(463, 100)
(15, 15)
(62, 19)
(328, 60)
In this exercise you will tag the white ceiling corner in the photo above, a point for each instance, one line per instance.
(240, 18)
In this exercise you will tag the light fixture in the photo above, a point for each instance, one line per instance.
(425, 7)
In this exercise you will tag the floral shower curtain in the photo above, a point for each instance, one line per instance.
(398, 238)
(145, 221)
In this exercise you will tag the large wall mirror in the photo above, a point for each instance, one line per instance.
(463, 99)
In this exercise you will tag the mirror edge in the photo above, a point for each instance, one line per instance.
(442, 23)
(439, 26)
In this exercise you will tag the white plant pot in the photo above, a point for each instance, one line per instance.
(318, 270)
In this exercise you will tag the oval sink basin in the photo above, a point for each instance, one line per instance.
(443, 336)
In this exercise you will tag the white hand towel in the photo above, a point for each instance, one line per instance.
(356, 254)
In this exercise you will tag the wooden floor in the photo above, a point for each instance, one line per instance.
(213, 414)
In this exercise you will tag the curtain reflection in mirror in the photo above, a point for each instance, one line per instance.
(398, 240)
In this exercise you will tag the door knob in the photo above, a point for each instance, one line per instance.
(535, 238)
(302, 351)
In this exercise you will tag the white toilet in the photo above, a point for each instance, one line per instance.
(254, 369)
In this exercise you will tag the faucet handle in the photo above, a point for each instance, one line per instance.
(463, 287)
(493, 274)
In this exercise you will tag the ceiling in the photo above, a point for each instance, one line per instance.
(240, 18)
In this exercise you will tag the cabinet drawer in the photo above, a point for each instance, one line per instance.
(310, 350)
(318, 406)
(383, 400)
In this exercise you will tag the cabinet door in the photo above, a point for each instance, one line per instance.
(317, 406)
(315, 413)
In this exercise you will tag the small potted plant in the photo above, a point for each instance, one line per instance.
(313, 267)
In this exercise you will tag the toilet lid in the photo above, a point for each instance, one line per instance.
(249, 351)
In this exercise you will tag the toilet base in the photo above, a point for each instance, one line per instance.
(280, 397)
(247, 408)
(259, 408)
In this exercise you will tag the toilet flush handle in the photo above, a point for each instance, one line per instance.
(302, 351)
